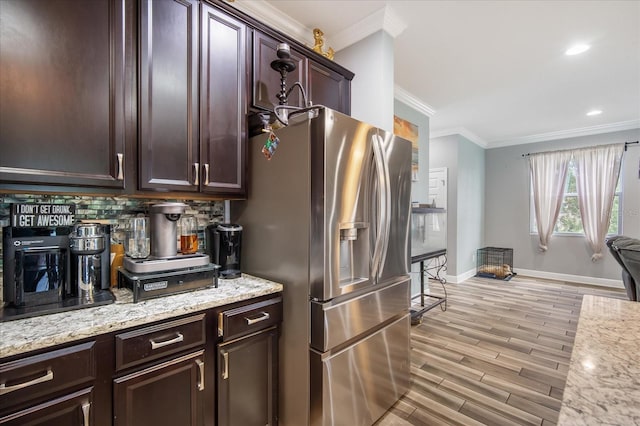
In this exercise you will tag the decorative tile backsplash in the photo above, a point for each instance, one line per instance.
(110, 209)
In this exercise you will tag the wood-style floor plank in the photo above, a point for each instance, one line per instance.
(498, 355)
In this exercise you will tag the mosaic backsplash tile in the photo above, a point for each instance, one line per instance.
(110, 209)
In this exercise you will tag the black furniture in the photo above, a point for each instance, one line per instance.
(431, 270)
(626, 251)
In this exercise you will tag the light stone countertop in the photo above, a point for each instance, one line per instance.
(24, 335)
(603, 384)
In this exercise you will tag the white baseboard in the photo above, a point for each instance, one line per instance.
(581, 279)
(457, 279)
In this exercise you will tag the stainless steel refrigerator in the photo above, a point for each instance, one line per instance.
(328, 216)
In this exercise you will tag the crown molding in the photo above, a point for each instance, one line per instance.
(382, 19)
(407, 98)
(570, 133)
(462, 132)
(273, 17)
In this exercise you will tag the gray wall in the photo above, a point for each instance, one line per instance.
(465, 162)
(371, 59)
(471, 204)
(508, 208)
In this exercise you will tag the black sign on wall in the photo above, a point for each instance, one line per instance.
(42, 215)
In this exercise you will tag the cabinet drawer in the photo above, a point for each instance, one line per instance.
(36, 376)
(249, 319)
(150, 343)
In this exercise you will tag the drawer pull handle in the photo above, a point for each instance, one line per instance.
(201, 371)
(225, 369)
(157, 345)
(86, 408)
(47, 377)
(263, 317)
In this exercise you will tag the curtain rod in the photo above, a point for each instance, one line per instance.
(626, 145)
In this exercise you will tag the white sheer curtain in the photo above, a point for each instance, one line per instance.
(597, 172)
(548, 177)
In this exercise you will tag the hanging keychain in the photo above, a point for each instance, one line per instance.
(270, 146)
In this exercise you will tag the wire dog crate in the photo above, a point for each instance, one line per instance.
(495, 262)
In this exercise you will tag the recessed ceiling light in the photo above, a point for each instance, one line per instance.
(577, 49)
(594, 112)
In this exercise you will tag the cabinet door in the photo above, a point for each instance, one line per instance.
(168, 113)
(248, 380)
(168, 394)
(223, 102)
(329, 88)
(266, 80)
(62, 102)
(70, 410)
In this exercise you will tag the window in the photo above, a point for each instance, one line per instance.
(569, 220)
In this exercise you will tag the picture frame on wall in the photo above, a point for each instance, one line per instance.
(409, 131)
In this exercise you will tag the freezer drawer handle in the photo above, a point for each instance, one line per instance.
(157, 345)
(263, 317)
(47, 377)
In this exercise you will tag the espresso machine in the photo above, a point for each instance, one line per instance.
(90, 257)
(165, 271)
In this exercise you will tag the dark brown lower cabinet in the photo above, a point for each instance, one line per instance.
(167, 394)
(248, 380)
(70, 410)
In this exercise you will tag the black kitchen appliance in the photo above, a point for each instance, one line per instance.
(224, 245)
(37, 273)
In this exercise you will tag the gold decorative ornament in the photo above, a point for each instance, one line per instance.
(319, 42)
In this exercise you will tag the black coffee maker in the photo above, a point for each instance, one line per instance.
(224, 243)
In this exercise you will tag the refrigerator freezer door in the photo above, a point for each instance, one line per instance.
(335, 323)
(358, 384)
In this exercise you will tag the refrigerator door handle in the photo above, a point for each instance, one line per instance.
(384, 205)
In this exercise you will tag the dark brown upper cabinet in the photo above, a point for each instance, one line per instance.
(266, 80)
(186, 145)
(168, 102)
(329, 88)
(322, 84)
(223, 102)
(62, 92)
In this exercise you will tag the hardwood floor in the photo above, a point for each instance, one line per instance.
(499, 354)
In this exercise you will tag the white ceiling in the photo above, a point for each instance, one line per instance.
(494, 71)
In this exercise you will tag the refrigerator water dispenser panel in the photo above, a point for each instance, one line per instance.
(354, 249)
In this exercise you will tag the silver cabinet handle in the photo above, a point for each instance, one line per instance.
(157, 345)
(263, 317)
(120, 175)
(47, 377)
(225, 368)
(201, 372)
(86, 408)
(196, 173)
(206, 174)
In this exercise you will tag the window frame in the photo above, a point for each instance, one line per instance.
(533, 226)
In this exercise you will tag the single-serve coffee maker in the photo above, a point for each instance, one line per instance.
(165, 271)
(225, 245)
(164, 255)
